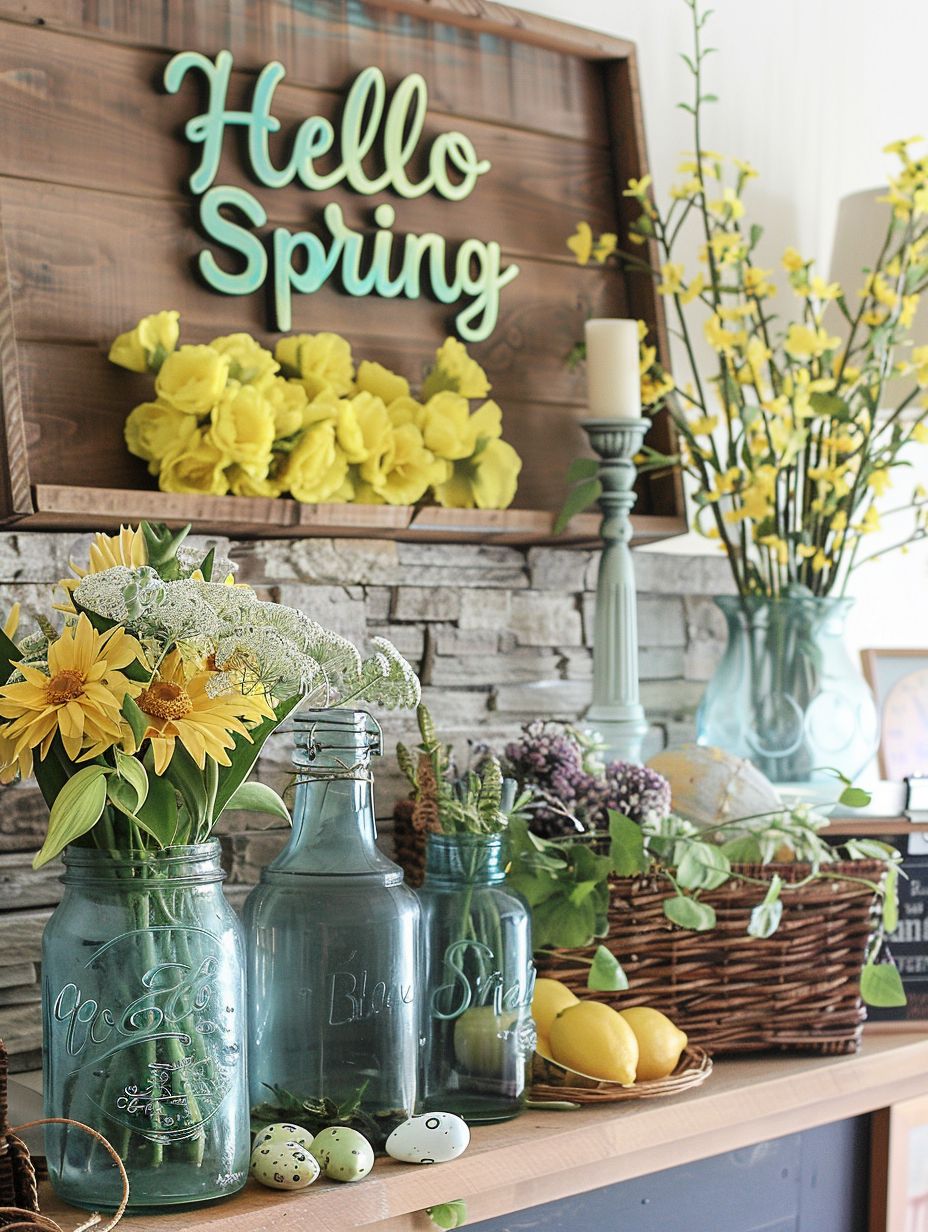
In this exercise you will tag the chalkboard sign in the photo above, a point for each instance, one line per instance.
(909, 943)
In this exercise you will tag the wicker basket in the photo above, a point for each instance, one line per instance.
(552, 1081)
(17, 1175)
(798, 990)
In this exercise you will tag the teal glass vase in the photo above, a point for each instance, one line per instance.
(787, 694)
(332, 936)
(144, 1029)
(478, 979)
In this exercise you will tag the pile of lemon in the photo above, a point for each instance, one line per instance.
(628, 1046)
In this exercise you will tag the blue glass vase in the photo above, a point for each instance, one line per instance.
(332, 935)
(478, 978)
(787, 694)
(144, 1025)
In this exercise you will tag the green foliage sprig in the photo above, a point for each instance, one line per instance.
(480, 801)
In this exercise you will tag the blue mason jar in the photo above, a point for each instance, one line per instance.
(332, 935)
(144, 1025)
(478, 979)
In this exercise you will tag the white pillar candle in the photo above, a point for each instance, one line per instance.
(612, 375)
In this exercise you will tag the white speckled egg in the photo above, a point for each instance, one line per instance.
(283, 1165)
(343, 1154)
(431, 1138)
(283, 1131)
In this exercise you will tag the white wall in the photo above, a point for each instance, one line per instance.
(810, 91)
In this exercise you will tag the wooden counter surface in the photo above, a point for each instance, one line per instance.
(543, 1156)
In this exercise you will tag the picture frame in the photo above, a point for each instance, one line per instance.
(899, 681)
(899, 1167)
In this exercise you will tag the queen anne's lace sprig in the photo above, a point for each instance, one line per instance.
(252, 644)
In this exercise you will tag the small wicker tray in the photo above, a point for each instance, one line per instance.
(552, 1081)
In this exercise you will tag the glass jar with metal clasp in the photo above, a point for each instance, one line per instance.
(331, 936)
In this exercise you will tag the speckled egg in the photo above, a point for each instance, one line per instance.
(283, 1131)
(283, 1165)
(431, 1138)
(343, 1154)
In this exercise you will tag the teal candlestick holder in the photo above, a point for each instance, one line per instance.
(616, 712)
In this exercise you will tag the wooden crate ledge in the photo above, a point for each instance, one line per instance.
(66, 507)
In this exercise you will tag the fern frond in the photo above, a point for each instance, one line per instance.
(406, 764)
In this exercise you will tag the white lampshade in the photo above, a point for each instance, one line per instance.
(860, 232)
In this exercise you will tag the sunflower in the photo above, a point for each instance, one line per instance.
(127, 548)
(178, 706)
(80, 697)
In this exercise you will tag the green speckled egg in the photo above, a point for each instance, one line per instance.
(343, 1154)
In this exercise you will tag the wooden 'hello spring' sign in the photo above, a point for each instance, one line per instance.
(526, 126)
(389, 266)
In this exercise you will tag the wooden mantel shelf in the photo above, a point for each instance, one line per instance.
(543, 1156)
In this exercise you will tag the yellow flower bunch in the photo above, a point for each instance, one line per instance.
(142, 716)
(786, 437)
(234, 417)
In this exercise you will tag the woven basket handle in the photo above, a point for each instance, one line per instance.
(37, 1220)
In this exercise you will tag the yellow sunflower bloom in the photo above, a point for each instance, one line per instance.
(80, 698)
(106, 551)
(179, 708)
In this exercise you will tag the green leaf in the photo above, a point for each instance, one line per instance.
(136, 718)
(10, 655)
(53, 771)
(891, 899)
(766, 916)
(206, 564)
(184, 774)
(76, 810)
(579, 498)
(258, 798)
(626, 849)
(448, 1214)
(831, 407)
(854, 797)
(158, 815)
(881, 985)
(245, 754)
(743, 850)
(756, 233)
(583, 468)
(606, 972)
(556, 922)
(703, 867)
(688, 913)
(133, 772)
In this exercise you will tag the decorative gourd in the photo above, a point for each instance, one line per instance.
(709, 785)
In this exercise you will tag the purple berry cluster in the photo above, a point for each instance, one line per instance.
(576, 791)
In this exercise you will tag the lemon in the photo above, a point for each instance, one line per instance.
(595, 1040)
(550, 997)
(543, 1046)
(481, 1040)
(660, 1043)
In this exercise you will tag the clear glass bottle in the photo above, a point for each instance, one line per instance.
(332, 935)
(478, 979)
(144, 1022)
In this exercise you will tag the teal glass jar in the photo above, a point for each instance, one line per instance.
(787, 694)
(332, 936)
(144, 1029)
(478, 979)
